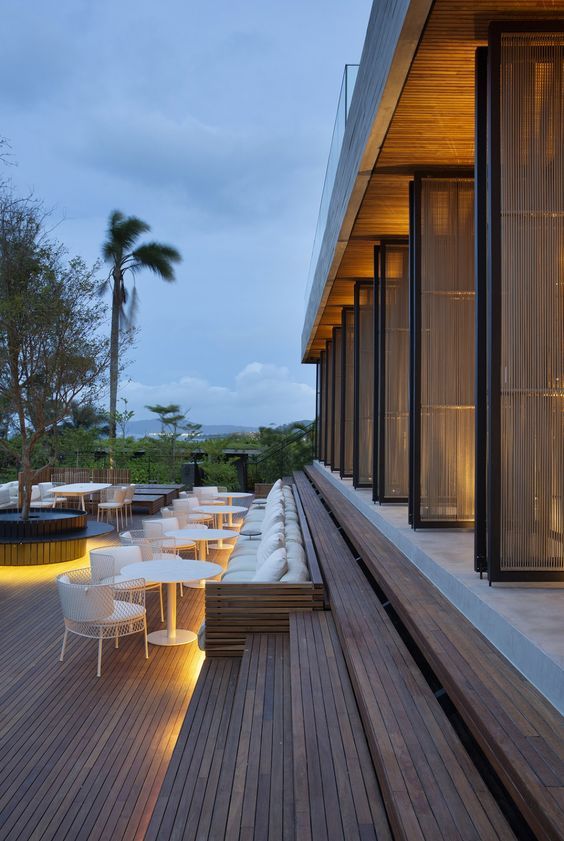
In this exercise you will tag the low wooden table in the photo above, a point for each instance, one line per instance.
(169, 492)
(149, 503)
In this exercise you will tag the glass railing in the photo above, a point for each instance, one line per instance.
(345, 97)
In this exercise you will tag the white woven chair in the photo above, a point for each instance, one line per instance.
(128, 502)
(208, 495)
(113, 502)
(46, 496)
(101, 611)
(156, 529)
(107, 563)
(189, 507)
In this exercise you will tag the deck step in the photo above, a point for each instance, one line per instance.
(336, 791)
(231, 771)
(430, 786)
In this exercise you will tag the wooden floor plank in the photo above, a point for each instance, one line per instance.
(227, 777)
(84, 757)
(430, 787)
(519, 731)
(338, 795)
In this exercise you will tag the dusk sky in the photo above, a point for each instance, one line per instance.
(212, 122)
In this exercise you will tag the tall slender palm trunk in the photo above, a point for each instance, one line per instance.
(114, 351)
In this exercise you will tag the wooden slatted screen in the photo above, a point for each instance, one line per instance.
(527, 438)
(329, 405)
(322, 404)
(348, 393)
(393, 412)
(444, 288)
(337, 381)
(364, 385)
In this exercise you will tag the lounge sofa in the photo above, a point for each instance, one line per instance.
(270, 547)
(272, 572)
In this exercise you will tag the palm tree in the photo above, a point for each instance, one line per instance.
(121, 252)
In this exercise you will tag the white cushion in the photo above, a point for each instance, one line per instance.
(292, 517)
(5, 496)
(121, 556)
(275, 520)
(239, 576)
(273, 568)
(268, 545)
(255, 517)
(293, 532)
(123, 611)
(244, 562)
(296, 554)
(296, 575)
(251, 553)
(276, 487)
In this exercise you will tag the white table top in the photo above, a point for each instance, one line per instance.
(221, 509)
(169, 572)
(79, 488)
(234, 495)
(202, 534)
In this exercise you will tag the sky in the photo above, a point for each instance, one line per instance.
(212, 122)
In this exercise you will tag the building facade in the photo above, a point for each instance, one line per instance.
(436, 297)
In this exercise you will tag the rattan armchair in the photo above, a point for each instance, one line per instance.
(101, 611)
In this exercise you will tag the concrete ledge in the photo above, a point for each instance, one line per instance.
(524, 621)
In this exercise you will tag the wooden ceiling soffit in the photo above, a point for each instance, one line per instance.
(384, 211)
(408, 40)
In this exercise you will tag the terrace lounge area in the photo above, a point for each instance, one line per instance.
(338, 719)
(407, 685)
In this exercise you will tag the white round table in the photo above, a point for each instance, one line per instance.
(219, 510)
(202, 536)
(171, 572)
(231, 495)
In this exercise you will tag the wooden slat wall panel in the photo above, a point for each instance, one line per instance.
(445, 287)
(364, 446)
(348, 403)
(530, 451)
(394, 373)
(337, 375)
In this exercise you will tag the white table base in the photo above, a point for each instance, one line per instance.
(181, 637)
(172, 635)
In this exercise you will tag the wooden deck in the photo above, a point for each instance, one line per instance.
(516, 727)
(273, 748)
(430, 786)
(82, 757)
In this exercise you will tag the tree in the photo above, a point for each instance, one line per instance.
(173, 424)
(121, 252)
(52, 357)
(123, 417)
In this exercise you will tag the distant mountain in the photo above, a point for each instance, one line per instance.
(139, 428)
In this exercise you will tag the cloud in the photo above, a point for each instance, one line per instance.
(261, 394)
(218, 171)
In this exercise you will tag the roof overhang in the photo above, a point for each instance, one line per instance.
(412, 110)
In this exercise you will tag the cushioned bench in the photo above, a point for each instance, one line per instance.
(246, 601)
